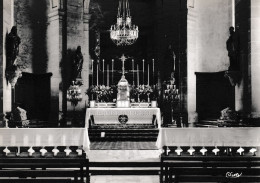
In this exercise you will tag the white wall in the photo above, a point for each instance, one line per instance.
(208, 30)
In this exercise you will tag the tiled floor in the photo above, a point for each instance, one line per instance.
(124, 179)
(124, 155)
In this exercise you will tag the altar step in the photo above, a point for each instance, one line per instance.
(215, 123)
(123, 134)
(208, 123)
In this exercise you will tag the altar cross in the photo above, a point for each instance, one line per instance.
(123, 59)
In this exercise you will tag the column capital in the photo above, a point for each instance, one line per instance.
(86, 6)
(86, 17)
(57, 14)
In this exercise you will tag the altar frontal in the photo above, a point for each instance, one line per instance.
(123, 116)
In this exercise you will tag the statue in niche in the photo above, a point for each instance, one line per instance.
(232, 46)
(77, 64)
(12, 47)
(169, 58)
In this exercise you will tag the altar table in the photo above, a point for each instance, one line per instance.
(208, 137)
(44, 137)
(135, 115)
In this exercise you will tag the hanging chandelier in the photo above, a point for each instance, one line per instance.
(123, 32)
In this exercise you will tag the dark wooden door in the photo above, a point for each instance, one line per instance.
(213, 93)
(32, 93)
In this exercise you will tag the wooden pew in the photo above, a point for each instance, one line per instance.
(73, 165)
(210, 164)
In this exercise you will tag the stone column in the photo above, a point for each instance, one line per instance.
(254, 57)
(55, 46)
(85, 50)
(6, 23)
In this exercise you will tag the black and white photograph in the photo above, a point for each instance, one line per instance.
(130, 91)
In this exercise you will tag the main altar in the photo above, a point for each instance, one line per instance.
(123, 106)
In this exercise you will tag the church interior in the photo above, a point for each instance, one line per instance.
(130, 91)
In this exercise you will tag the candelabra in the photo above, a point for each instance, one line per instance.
(170, 101)
(74, 94)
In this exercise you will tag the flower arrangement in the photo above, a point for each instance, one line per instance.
(144, 92)
(101, 93)
(74, 94)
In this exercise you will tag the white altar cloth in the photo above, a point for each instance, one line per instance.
(44, 137)
(135, 115)
(208, 137)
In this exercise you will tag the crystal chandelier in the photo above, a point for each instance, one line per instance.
(123, 32)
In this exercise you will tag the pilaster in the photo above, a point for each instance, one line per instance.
(191, 61)
(254, 57)
(56, 53)
(6, 23)
(85, 51)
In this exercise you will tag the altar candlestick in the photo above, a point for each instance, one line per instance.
(148, 76)
(107, 75)
(103, 72)
(143, 71)
(153, 65)
(174, 56)
(133, 67)
(97, 73)
(137, 75)
(153, 71)
(92, 71)
(112, 71)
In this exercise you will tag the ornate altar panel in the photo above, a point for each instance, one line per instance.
(134, 115)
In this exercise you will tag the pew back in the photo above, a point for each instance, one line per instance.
(210, 164)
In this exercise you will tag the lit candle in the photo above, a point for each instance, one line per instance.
(153, 65)
(92, 66)
(97, 73)
(174, 61)
(133, 67)
(148, 75)
(112, 71)
(103, 72)
(137, 75)
(92, 71)
(153, 71)
(107, 75)
(143, 71)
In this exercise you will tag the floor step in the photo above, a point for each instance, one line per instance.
(124, 164)
(124, 130)
(124, 172)
(124, 168)
(127, 138)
